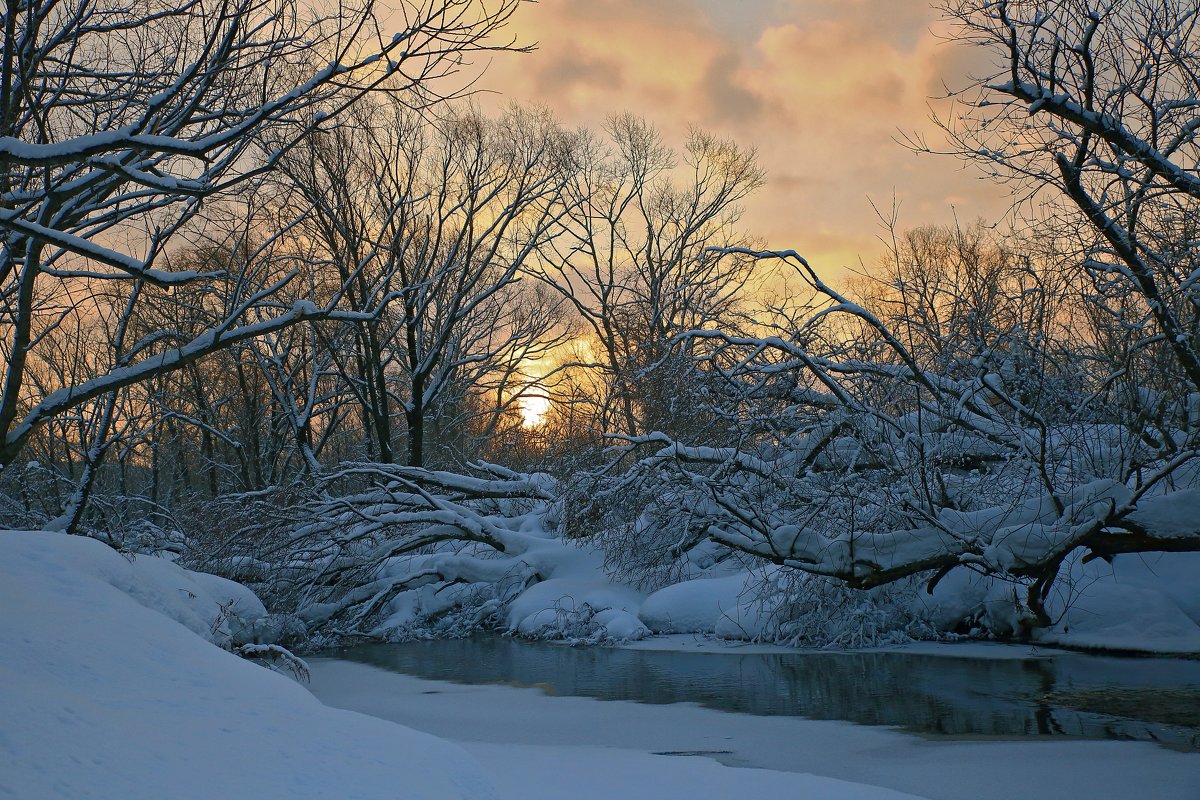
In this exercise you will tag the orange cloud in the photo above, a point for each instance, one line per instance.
(821, 88)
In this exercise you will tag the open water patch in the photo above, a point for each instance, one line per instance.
(1043, 695)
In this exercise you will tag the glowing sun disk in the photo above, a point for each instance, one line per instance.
(533, 409)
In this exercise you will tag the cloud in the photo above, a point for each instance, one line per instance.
(554, 78)
(727, 98)
(821, 88)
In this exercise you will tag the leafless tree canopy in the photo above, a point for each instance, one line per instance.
(119, 123)
(267, 299)
(985, 407)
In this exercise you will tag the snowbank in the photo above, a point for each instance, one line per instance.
(1147, 603)
(695, 606)
(1139, 603)
(576, 600)
(109, 690)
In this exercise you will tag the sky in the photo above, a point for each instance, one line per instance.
(821, 88)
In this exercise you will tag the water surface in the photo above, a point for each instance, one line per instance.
(1051, 695)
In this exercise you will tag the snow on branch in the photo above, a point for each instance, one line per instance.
(867, 449)
(372, 532)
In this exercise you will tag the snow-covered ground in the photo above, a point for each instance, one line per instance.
(538, 746)
(111, 686)
(110, 689)
(1139, 603)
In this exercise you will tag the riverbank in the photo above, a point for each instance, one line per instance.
(967, 690)
(112, 686)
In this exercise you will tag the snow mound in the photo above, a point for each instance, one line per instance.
(1148, 603)
(577, 608)
(1141, 603)
(696, 606)
(108, 691)
(1114, 616)
(208, 605)
(1173, 574)
(576, 601)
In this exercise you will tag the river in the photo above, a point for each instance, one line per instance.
(1023, 693)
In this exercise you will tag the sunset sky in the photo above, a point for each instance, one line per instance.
(820, 87)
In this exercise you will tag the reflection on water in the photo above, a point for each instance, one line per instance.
(1067, 694)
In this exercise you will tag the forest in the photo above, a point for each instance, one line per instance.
(284, 302)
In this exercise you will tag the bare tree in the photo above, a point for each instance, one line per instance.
(466, 539)
(1092, 110)
(444, 214)
(953, 294)
(868, 459)
(980, 410)
(635, 254)
(118, 122)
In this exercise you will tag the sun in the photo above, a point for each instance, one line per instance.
(533, 408)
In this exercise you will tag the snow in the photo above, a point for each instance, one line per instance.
(1146, 603)
(693, 606)
(963, 648)
(1115, 616)
(577, 600)
(89, 144)
(521, 571)
(595, 773)
(1173, 574)
(543, 603)
(620, 625)
(94, 251)
(208, 605)
(741, 606)
(1140, 603)
(540, 746)
(110, 689)
(1172, 515)
(703, 643)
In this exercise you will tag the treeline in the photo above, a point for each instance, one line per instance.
(269, 295)
(477, 260)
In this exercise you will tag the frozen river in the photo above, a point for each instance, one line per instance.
(548, 722)
(1000, 691)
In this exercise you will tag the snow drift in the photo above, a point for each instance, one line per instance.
(110, 689)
